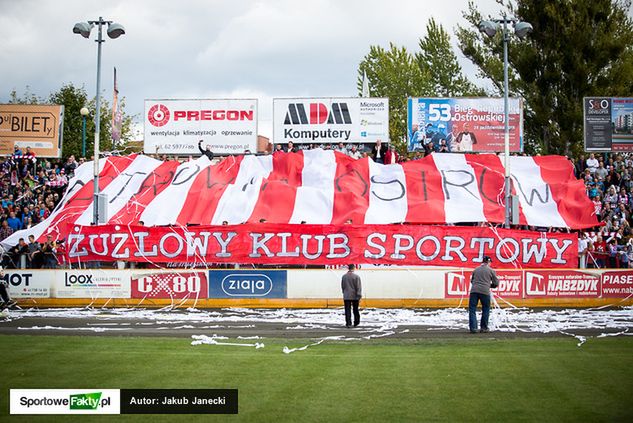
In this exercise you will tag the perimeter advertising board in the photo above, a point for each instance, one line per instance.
(463, 124)
(92, 284)
(169, 285)
(28, 283)
(176, 126)
(330, 120)
(608, 124)
(39, 126)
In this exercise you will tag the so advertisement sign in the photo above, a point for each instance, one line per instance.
(463, 124)
(173, 285)
(176, 126)
(330, 120)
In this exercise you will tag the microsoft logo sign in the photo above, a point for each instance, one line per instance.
(87, 401)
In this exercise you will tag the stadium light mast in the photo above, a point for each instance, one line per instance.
(115, 30)
(521, 29)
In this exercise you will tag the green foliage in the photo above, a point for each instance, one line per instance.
(73, 99)
(397, 74)
(578, 48)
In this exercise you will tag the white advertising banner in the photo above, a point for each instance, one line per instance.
(28, 283)
(92, 284)
(176, 126)
(330, 120)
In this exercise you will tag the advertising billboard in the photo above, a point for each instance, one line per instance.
(608, 124)
(240, 283)
(330, 120)
(176, 126)
(463, 124)
(91, 284)
(39, 126)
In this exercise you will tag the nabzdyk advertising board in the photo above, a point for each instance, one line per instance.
(226, 126)
(330, 120)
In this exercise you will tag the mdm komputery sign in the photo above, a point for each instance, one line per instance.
(330, 120)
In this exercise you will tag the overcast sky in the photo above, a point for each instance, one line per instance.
(212, 48)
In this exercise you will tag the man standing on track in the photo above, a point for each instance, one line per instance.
(352, 293)
(483, 278)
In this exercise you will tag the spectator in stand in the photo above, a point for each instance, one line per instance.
(278, 149)
(378, 152)
(592, 163)
(206, 151)
(341, 147)
(391, 156)
(14, 223)
(601, 171)
(583, 245)
(291, 147)
(70, 165)
(580, 166)
(34, 248)
(354, 153)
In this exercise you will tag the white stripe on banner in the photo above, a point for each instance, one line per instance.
(166, 207)
(315, 197)
(123, 187)
(387, 194)
(462, 201)
(238, 201)
(535, 197)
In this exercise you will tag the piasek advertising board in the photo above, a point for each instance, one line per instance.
(608, 124)
(463, 124)
(39, 126)
(169, 285)
(330, 120)
(176, 126)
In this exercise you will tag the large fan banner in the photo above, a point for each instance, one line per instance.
(463, 124)
(282, 244)
(320, 187)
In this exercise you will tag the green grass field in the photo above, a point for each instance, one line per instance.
(474, 379)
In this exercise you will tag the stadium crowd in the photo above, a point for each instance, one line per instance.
(31, 188)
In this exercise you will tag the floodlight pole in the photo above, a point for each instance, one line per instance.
(99, 41)
(506, 118)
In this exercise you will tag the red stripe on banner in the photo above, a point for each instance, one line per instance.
(205, 192)
(78, 204)
(154, 184)
(351, 189)
(425, 197)
(489, 173)
(278, 192)
(569, 193)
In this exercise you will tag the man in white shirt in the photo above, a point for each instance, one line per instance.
(592, 163)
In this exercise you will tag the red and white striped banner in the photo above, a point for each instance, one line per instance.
(322, 187)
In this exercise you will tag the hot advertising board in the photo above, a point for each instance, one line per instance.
(27, 283)
(39, 126)
(330, 120)
(324, 245)
(457, 284)
(463, 124)
(176, 126)
(169, 285)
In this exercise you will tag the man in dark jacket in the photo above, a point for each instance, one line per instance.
(207, 152)
(483, 278)
(378, 152)
(352, 293)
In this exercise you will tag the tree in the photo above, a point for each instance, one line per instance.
(437, 60)
(397, 74)
(578, 48)
(73, 99)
